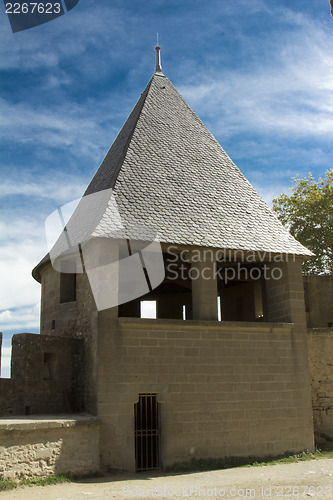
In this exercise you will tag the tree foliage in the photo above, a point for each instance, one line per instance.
(307, 211)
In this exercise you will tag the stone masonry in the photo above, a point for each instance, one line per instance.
(33, 446)
(236, 387)
(225, 389)
(320, 342)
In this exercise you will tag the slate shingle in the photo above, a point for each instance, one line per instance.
(180, 181)
(170, 174)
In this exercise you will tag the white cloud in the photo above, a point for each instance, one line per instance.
(21, 318)
(5, 316)
(18, 259)
(81, 28)
(55, 80)
(289, 90)
(67, 126)
(23, 244)
(61, 190)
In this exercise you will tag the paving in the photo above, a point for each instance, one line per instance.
(311, 479)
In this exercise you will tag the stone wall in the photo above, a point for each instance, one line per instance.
(224, 389)
(44, 446)
(319, 301)
(320, 341)
(319, 312)
(46, 376)
(72, 319)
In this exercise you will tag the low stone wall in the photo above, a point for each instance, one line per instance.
(47, 445)
(320, 342)
(46, 376)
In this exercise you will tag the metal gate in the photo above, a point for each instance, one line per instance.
(146, 433)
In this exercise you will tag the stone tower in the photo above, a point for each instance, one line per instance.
(168, 218)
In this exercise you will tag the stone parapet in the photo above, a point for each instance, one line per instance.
(45, 445)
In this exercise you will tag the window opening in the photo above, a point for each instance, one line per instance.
(148, 309)
(67, 287)
(219, 315)
(48, 366)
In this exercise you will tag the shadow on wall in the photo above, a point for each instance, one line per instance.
(49, 446)
(320, 345)
(46, 376)
(318, 293)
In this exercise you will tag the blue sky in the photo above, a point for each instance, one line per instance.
(258, 73)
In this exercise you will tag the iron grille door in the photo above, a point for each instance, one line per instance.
(146, 433)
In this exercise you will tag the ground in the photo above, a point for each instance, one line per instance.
(297, 480)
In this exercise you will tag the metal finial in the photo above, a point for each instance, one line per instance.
(158, 67)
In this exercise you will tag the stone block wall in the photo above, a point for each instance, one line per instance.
(68, 318)
(11, 397)
(77, 319)
(320, 341)
(44, 446)
(47, 376)
(224, 389)
(319, 301)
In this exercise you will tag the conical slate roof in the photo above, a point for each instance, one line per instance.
(168, 172)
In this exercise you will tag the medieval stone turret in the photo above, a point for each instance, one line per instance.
(223, 368)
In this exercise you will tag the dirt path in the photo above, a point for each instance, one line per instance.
(313, 479)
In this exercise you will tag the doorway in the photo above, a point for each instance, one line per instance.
(146, 433)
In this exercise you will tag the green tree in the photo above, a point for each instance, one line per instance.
(307, 211)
